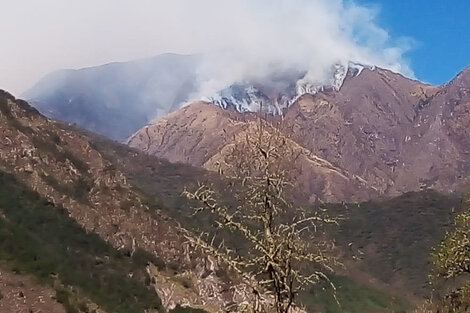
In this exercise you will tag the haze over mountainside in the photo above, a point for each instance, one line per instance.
(116, 99)
(378, 134)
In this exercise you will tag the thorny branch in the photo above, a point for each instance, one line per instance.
(286, 249)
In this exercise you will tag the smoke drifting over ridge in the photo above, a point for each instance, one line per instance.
(257, 40)
(247, 40)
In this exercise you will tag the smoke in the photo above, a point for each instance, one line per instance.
(243, 40)
(253, 41)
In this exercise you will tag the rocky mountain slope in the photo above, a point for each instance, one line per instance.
(379, 134)
(202, 133)
(113, 210)
(88, 198)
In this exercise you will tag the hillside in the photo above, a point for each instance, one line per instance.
(385, 242)
(379, 134)
(132, 202)
(61, 166)
(391, 239)
(42, 241)
(202, 134)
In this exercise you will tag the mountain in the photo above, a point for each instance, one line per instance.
(73, 221)
(89, 223)
(199, 134)
(116, 99)
(378, 134)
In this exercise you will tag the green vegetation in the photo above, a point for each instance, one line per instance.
(352, 298)
(180, 309)
(39, 239)
(77, 190)
(398, 235)
(451, 267)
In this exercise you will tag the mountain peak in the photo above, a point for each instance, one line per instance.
(462, 79)
(255, 97)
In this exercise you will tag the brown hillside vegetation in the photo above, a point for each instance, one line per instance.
(104, 186)
(62, 166)
(22, 295)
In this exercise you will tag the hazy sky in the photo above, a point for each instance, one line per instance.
(250, 36)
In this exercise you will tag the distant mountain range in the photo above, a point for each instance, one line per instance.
(116, 99)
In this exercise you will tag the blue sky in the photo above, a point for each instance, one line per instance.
(440, 29)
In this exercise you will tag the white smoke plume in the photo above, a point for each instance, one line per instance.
(247, 40)
(256, 40)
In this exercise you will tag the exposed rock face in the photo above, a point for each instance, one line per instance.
(381, 133)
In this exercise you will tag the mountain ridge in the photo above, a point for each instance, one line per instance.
(132, 200)
(133, 94)
(116, 99)
(62, 166)
(374, 128)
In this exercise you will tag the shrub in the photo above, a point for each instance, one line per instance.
(38, 239)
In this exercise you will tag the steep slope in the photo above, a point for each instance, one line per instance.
(201, 134)
(118, 98)
(391, 240)
(388, 130)
(41, 240)
(61, 166)
(128, 220)
(385, 134)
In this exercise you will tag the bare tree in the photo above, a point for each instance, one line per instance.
(287, 249)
